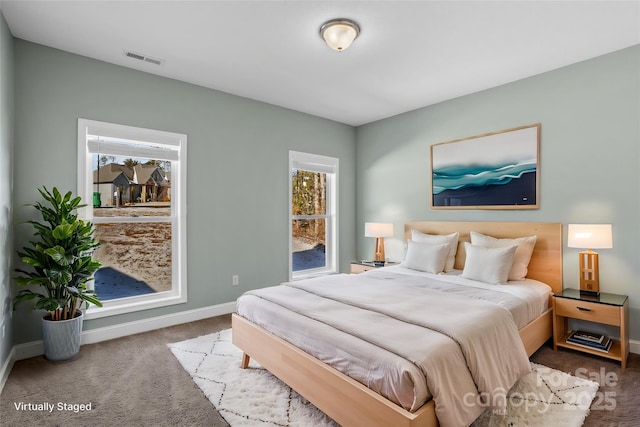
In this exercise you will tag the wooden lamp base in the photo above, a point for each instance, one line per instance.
(589, 273)
(379, 257)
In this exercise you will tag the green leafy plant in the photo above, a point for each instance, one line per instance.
(61, 259)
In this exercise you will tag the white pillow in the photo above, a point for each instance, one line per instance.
(426, 257)
(490, 265)
(522, 257)
(436, 239)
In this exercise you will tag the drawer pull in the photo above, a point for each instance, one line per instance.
(583, 309)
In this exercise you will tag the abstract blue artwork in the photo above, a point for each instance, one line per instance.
(499, 170)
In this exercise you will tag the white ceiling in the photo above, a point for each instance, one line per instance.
(409, 54)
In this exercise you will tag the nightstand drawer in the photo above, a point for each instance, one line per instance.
(600, 313)
(359, 268)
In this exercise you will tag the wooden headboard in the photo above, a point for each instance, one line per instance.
(546, 261)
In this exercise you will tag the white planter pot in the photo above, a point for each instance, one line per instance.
(62, 338)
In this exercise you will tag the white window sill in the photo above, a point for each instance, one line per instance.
(133, 304)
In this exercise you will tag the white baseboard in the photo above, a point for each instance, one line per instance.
(6, 368)
(634, 346)
(36, 348)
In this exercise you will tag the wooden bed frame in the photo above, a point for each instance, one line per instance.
(349, 402)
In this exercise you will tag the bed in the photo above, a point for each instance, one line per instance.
(347, 400)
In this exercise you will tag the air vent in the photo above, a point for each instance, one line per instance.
(153, 60)
(144, 58)
(134, 55)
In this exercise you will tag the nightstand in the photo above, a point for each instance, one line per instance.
(362, 266)
(608, 309)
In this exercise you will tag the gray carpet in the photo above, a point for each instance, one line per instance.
(136, 381)
(130, 381)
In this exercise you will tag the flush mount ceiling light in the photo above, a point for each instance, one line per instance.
(339, 33)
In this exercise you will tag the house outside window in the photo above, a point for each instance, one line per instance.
(134, 183)
(313, 215)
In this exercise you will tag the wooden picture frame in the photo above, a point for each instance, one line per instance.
(498, 170)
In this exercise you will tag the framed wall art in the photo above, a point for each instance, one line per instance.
(499, 170)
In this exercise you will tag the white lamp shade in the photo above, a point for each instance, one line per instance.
(376, 229)
(339, 33)
(590, 236)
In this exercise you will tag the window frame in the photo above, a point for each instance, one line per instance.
(329, 166)
(178, 292)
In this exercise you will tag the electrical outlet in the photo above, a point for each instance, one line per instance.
(235, 280)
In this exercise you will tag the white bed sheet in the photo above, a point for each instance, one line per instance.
(535, 293)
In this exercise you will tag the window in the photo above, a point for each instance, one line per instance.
(133, 181)
(313, 214)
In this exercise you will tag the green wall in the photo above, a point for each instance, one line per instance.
(6, 181)
(237, 178)
(590, 152)
(238, 153)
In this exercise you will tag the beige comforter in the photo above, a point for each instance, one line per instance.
(461, 347)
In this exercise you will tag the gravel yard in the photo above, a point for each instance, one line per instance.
(141, 250)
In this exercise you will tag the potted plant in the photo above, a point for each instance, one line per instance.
(61, 261)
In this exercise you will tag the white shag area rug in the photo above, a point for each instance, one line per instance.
(254, 398)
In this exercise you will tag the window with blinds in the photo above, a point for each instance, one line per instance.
(133, 181)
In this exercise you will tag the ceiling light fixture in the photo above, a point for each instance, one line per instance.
(339, 33)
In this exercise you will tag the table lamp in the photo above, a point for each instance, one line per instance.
(589, 237)
(379, 231)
